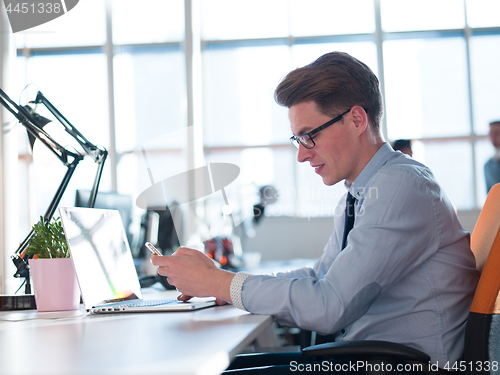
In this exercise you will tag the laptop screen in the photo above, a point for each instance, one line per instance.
(101, 255)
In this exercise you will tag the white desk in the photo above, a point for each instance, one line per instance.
(200, 342)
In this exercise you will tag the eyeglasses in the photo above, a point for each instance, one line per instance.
(306, 139)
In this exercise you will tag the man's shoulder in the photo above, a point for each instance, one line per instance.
(402, 181)
(401, 168)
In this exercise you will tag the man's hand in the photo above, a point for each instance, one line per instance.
(194, 275)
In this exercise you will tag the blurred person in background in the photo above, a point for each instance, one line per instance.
(403, 145)
(492, 166)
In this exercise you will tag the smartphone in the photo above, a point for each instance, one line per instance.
(153, 249)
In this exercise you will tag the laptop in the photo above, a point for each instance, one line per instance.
(104, 265)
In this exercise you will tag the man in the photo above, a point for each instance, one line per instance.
(403, 273)
(492, 166)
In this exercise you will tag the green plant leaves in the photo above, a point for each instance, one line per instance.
(48, 240)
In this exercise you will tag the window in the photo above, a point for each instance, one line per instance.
(422, 15)
(153, 21)
(426, 88)
(148, 86)
(72, 30)
(239, 83)
(123, 83)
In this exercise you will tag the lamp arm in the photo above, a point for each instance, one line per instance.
(30, 123)
(97, 179)
(98, 154)
(94, 152)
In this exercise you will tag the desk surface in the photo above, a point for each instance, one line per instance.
(199, 342)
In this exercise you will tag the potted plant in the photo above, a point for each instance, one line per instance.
(52, 271)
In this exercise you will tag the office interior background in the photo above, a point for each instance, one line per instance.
(190, 82)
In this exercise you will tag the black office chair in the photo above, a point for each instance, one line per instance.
(482, 334)
(378, 357)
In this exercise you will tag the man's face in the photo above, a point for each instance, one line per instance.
(334, 155)
(495, 134)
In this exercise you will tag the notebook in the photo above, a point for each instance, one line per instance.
(104, 265)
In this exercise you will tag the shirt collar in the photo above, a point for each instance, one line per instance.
(358, 187)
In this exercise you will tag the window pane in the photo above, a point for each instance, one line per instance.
(484, 151)
(483, 13)
(322, 17)
(169, 145)
(264, 166)
(153, 21)
(81, 96)
(239, 107)
(485, 54)
(24, 209)
(451, 163)
(398, 15)
(19, 38)
(17, 75)
(303, 54)
(229, 19)
(82, 99)
(47, 176)
(149, 97)
(426, 88)
(83, 25)
(137, 171)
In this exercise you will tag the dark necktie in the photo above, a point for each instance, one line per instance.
(349, 218)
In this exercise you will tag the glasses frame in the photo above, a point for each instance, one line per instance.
(302, 139)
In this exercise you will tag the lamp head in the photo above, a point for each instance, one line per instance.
(38, 120)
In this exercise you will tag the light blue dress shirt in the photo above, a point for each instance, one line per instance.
(407, 274)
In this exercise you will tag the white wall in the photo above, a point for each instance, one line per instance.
(281, 238)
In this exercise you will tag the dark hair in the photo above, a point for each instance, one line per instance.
(400, 144)
(335, 82)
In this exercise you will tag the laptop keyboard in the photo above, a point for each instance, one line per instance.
(151, 303)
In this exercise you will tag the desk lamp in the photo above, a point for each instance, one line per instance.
(34, 124)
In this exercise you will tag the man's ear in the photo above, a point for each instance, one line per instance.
(360, 118)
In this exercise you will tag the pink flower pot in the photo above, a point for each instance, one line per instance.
(55, 284)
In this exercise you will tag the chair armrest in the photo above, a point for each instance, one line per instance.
(366, 349)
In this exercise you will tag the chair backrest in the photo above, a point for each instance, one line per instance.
(482, 334)
(486, 227)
